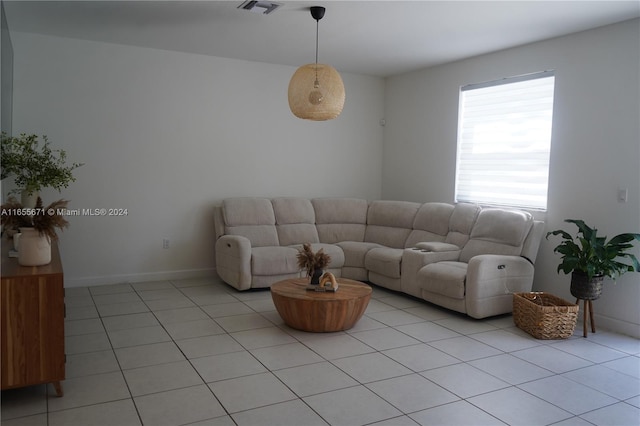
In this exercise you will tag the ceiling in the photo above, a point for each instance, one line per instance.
(379, 38)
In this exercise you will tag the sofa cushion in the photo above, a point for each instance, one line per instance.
(431, 223)
(293, 210)
(252, 218)
(355, 252)
(340, 219)
(444, 278)
(338, 232)
(295, 221)
(461, 223)
(259, 235)
(436, 246)
(248, 211)
(389, 223)
(298, 233)
(498, 231)
(532, 242)
(384, 261)
(274, 260)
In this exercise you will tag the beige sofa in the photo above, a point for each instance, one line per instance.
(462, 257)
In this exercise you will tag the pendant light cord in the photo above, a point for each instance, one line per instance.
(317, 32)
(317, 83)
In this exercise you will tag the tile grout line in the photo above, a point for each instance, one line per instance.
(380, 296)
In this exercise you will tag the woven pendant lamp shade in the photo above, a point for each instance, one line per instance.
(319, 101)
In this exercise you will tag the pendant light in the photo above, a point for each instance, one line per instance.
(316, 91)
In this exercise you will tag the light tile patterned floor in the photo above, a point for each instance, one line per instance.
(198, 352)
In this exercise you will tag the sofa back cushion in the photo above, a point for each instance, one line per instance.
(498, 231)
(295, 221)
(252, 218)
(461, 223)
(390, 222)
(340, 219)
(532, 243)
(430, 224)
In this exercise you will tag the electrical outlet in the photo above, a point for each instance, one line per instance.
(165, 243)
(623, 195)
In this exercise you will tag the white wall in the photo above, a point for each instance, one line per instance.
(167, 135)
(595, 143)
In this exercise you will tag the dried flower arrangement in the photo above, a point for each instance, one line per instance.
(311, 261)
(43, 220)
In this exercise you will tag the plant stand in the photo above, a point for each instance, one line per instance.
(588, 314)
(588, 290)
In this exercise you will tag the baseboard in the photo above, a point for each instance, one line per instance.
(136, 278)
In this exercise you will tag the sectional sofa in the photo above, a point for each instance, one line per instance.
(463, 257)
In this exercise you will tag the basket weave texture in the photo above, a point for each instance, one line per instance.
(584, 288)
(544, 316)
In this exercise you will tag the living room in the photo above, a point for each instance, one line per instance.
(167, 135)
(164, 134)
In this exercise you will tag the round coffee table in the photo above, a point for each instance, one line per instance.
(320, 312)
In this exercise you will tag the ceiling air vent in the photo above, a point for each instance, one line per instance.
(263, 7)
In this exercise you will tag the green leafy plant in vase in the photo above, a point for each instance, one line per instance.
(34, 166)
(590, 258)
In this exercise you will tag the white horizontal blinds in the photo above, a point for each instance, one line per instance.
(504, 139)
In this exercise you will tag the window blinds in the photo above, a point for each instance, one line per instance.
(504, 140)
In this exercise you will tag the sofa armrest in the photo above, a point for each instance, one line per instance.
(492, 276)
(233, 260)
(424, 257)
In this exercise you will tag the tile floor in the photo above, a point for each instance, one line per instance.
(198, 352)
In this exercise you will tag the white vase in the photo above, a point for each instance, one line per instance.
(16, 241)
(27, 200)
(35, 249)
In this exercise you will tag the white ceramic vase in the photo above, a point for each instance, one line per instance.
(35, 249)
(16, 241)
(27, 200)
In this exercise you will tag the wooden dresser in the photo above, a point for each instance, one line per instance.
(32, 315)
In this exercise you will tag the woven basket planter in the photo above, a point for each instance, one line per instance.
(584, 288)
(544, 316)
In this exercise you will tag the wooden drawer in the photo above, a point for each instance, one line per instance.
(32, 323)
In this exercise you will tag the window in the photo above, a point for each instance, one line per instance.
(504, 139)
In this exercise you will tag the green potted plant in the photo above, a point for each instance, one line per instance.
(34, 166)
(590, 258)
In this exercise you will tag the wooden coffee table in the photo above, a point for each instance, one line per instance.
(320, 312)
